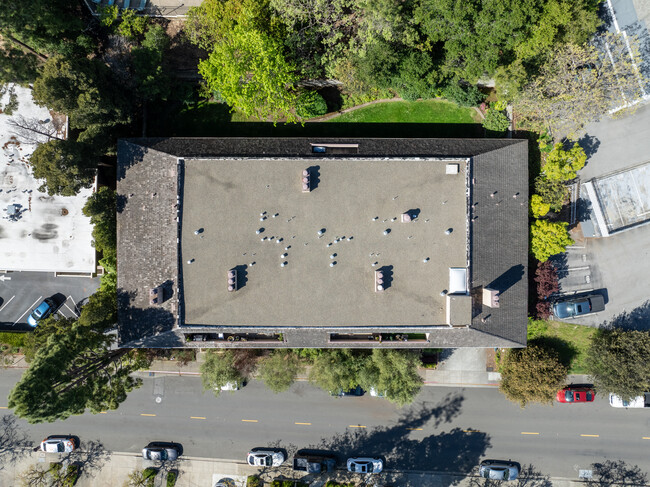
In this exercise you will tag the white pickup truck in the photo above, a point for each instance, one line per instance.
(637, 402)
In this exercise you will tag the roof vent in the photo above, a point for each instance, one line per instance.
(490, 297)
(379, 281)
(232, 280)
(306, 181)
(156, 296)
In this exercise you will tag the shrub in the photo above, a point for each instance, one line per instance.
(311, 104)
(563, 165)
(254, 481)
(538, 207)
(545, 142)
(553, 193)
(548, 238)
(71, 476)
(546, 279)
(496, 121)
(171, 478)
(543, 310)
(15, 340)
(500, 105)
(465, 96)
(413, 78)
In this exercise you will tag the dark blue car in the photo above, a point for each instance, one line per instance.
(578, 306)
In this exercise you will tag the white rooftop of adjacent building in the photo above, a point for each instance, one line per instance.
(46, 233)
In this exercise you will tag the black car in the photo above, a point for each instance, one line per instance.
(357, 391)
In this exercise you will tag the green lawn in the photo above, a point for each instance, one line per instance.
(428, 111)
(571, 341)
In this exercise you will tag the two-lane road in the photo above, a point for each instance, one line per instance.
(444, 430)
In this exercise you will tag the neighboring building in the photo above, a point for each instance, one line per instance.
(303, 242)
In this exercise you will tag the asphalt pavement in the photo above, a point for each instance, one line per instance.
(447, 430)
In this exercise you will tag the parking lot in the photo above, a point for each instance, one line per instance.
(21, 292)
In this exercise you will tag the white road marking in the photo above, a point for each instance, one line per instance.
(71, 310)
(27, 310)
(4, 305)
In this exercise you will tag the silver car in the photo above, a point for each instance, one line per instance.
(265, 458)
(498, 470)
(160, 452)
(365, 465)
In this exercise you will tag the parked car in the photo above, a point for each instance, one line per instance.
(161, 451)
(498, 470)
(375, 393)
(59, 444)
(576, 394)
(356, 391)
(365, 465)
(265, 458)
(637, 402)
(573, 307)
(41, 312)
(231, 386)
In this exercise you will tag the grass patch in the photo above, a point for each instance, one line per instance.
(16, 340)
(571, 341)
(424, 111)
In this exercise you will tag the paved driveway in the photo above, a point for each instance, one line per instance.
(617, 266)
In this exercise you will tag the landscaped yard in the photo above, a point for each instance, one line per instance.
(426, 111)
(570, 340)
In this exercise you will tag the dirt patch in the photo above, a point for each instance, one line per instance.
(490, 360)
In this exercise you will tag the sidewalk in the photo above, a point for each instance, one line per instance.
(113, 470)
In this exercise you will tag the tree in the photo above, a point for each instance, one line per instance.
(336, 369)
(218, 370)
(563, 165)
(66, 166)
(393, 372)
(32, 131)
(131, 25)
(148, 65)
(279, 369)
(311, 104)
(553, 193)
(17, 66)
(82, 88)
(101, 207)
(546, 279)
(496, 121)
(619, 361)
(548, 238)
(531, 374)
(538, 207)
(581, 83)
(251, 74)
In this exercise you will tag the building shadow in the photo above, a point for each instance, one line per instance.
(508, 279)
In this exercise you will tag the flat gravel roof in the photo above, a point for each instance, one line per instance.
(225, 197)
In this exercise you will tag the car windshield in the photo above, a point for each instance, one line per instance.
(365, 467)
(568, 396)
(60, 446)
(590, 396)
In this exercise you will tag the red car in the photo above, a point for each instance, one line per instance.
(576, 394)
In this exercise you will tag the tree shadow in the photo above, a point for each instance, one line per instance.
(637, 319)
(14, 443)
(616, 472)
(90, 457)
(566, 351)
(590, 144)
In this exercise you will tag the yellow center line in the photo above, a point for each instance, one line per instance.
(414, 429)
(4, 407)
(528, 433)
(646, 438)
(197, 417)
(471, 431)
(306, 424)
(356, 426)
(147, 414)
(591, 436)
(249, 420)
(103, 412)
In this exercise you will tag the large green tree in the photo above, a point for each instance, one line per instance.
(563, 165)
(579, 84)
(219, 369)
(279, 369)
(531, 374)
(66, 166)
(76, 367)
(393, 372)
(548, 238)
(619, 361)
(83, 89)
(149, 68)
(336, 369)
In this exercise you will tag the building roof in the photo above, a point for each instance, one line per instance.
(170, 188)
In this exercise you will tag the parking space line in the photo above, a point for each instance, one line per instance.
(71, 310)
(27, 310)
(5, 305)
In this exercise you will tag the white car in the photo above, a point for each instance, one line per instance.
(498, 470)
(58, 444)
(230, 386)
(265, 458)
(637, 402)
(375, 393)
(365, 465)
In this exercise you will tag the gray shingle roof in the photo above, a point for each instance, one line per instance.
(148, 230)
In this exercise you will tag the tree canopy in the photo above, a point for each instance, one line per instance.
(66, 166)
(393, 373)
(219, 369)
(531, 374)
(548, 238)
(279, 369)
(619, 361)
(563, 165)
(101, 208)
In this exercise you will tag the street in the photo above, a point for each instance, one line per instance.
(446, 429)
